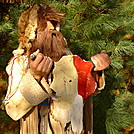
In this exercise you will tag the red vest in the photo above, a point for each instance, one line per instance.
(86, 82)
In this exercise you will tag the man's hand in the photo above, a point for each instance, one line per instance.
(41, 66)
(101, 61)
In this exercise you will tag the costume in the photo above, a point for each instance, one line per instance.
(69, 87)
(62, 103)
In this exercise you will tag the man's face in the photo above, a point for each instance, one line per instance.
(50, 41)
(50, 26)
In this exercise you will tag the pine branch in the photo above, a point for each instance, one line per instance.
(120, 115)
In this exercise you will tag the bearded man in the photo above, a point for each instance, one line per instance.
(50, 92)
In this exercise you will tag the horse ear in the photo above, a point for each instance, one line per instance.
(58, 27)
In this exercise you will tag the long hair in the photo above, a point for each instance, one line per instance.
(34, 34)
(51, 43)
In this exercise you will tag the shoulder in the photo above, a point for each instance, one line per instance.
(17, 63)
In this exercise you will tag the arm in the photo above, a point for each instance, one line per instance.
(101, 61)
(25, 92)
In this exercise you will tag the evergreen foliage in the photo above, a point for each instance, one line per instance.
(89, 27)
(121, 114)
(8, 32)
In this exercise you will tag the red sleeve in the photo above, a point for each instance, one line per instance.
(86, 82)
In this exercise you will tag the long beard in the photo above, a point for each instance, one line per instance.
(51, 43)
